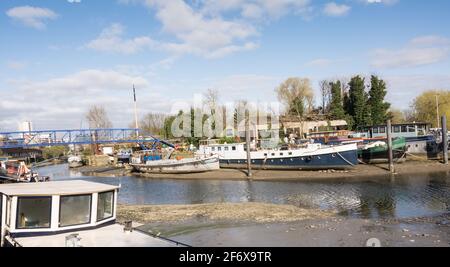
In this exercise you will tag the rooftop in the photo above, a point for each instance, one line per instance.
(75, 187)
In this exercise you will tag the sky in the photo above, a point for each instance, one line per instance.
(59, 57)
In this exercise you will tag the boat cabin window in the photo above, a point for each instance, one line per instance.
(273, 154)
(33, 212)
(375, 130)
(233, 148)
(290, 153)
(219, 148)
(382, 130)
(281, 154)
(411, 129)
(404, 129)
(265, 154)
(227, 148)
(75, 210)
(105, 205)
(213, 149)
(396, 129)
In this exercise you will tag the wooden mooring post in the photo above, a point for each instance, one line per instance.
(247, 143)
(389, 140)
(445, 139)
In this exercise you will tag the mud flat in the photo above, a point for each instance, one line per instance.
(266, 225)
(360, 171)
(242, 212)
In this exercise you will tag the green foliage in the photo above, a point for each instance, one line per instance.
(358, 102)
(378, 107)
(425, 110)
(297, 107)
(228, 140)
(54, 152)
(337, 111)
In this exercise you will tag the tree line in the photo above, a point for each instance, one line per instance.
(356, 102)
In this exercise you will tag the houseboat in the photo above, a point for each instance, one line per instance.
(151, 161)
(67, 214)
(17, 171)
(308, 157)
(420, 139)
(377, 151)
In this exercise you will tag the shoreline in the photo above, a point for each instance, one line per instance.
(360, 171)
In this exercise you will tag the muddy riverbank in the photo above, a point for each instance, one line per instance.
(241, 212)
(360, 171)
(265, 225)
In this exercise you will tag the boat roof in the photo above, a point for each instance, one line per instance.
(231, 144)
(108, 236)
(73, 187)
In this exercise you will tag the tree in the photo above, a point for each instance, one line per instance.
(337, 111)
(424, 106)
(397, 116)
(326, 94)
(297, 95)
(358, 102)
(153, 124)
(378, 107)
(98, 118)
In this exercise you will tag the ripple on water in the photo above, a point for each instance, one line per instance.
(407, 196)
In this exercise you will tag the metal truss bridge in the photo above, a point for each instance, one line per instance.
(30, 139)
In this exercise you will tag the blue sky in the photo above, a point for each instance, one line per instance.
(58, 57)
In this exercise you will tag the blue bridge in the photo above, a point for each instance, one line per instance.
(30, 139)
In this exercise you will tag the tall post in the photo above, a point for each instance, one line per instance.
(247, 143)
(389, 139)
(135, 113)
(445, 139)
(437, 111)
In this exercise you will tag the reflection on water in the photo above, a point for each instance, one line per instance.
(407, 196)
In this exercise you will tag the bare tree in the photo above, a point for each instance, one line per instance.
(98, 118)
(211, 99)
(325, 92)
(298, 96)
(152, 123)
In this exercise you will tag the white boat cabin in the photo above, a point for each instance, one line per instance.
(47, 214)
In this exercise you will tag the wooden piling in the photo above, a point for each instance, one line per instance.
(445, 139)
(247, 143)
(389, 140)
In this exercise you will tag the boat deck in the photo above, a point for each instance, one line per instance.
(108, 236)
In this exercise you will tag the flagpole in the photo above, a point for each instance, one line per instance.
(135, 113)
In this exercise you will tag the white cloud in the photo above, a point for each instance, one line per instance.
(418, 52)
(336, 10)
(74, 1)
(110, 40)
(386, 2)
(63, 101)
(34, 17)
(204, 28)
(404, 88)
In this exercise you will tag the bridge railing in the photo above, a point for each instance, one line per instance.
(43, 138)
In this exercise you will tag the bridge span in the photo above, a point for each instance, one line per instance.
(29, 139)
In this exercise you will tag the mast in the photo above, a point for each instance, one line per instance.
(135, 113)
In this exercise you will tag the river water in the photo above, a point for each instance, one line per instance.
(371, 197)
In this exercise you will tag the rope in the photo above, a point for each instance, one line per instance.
(342, 157)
